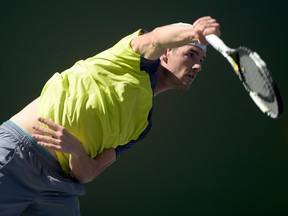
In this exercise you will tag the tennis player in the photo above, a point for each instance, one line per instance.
(91, 113)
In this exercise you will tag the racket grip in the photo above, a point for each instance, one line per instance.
(217, 43)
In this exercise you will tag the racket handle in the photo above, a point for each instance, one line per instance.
(217, 43)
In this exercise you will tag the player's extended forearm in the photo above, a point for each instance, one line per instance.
(85, 169)
(153, 44)
(179, 34)
(173, 35)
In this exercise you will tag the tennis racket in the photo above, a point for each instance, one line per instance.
(254, 75)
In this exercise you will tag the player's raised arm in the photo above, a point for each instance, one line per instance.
(153, 44)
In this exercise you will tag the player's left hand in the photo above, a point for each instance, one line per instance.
(57, 138)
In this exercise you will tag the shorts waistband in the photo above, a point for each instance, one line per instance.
(20, 134)
(24, 137)
(17, 132)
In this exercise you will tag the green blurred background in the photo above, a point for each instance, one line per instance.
(211, 151)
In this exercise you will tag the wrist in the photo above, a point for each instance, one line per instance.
(78, 154)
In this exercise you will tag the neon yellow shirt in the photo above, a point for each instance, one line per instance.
(104, 100)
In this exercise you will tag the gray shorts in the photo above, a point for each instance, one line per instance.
(31, 181)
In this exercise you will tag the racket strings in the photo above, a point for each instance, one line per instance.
(256, 78)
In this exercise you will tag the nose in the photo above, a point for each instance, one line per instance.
(197, 67)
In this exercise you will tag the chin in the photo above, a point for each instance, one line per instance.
(187, 88)
(184, 87)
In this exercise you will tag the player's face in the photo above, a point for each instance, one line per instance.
(185, 62)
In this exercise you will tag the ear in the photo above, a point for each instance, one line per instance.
(165, 55)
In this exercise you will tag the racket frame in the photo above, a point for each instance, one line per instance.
(228, 52)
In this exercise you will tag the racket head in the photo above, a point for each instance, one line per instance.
(258, 81)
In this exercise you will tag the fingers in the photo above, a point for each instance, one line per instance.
(205, 26)
(49, 123)
(47, 141)
(46, 131)
(47, 136)
(52, 129)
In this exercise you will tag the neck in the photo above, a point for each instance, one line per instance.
(166, 80)
(161, 84)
